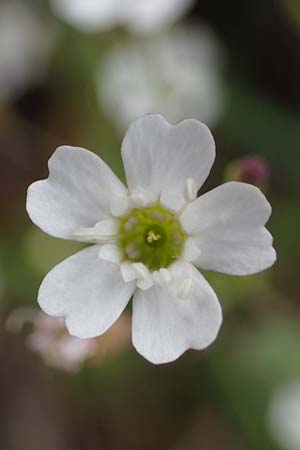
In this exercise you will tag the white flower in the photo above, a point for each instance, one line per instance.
(177, 74)
(146, 236)
(139, 16)
(284, 416)
(24, 47)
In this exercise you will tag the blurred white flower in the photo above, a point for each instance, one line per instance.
(25, 43)
(284, 416)
(176, 74)
(139, 16)
(148, 237)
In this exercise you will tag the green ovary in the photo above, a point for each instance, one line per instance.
(151, 236)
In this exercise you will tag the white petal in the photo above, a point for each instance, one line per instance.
(152, 15)
(89, 292)
(190, 250)
(161, 277)
(76, 194)
(164, 325)
(119, 205)
(171, 201)
(127, 271)
(111, 253)
(107, 227)
(160, 157)
(140, 197)
(227, 225)
(89, 15)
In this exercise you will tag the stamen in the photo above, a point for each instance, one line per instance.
(165, 275)
(159, 217)
(130, 224)
(127, 271)
(111, 253)
(176, 237)
(191, 189)
(152, 237)
(185, 288)
(138, 272)
(132, 251)
(161, 277)
(90, 235)
(141, 271)
(156, 278)
(119, 205)
(104, 231)
(190, 251)
(144, 279)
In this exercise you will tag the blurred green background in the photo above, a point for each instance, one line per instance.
(236, 66)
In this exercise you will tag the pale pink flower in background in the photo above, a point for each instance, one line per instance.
(139, 16)
(56, 346)
(253, 169)
(178, 74)
(50, 339)
(148, 238)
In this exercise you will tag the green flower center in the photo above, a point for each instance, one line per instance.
(152, 236)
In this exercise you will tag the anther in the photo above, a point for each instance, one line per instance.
(176, 238)
(132, 251)
(130, 223)
(165, 275)
(152, 237)
(144, 279)
(191, 189)
(185, 288)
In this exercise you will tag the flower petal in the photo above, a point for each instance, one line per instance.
(165, 324)
(227, 224)
(76, 195)
(89, 292)
(161, 157)
(88, 15)
(150, 16)
(111, 253)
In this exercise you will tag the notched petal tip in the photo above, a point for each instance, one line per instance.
(77, 193)
(165, 325)
(160, 156)
(87, 291)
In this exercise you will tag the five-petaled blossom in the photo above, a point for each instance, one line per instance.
(148, 238)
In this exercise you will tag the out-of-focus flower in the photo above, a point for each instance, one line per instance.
(56, 346)
(25, 43)
(148, 238)
(177, 74)
(253, 169)
(284, 416)
(50, 338)
(139, 16)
